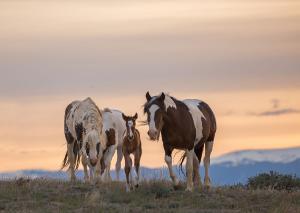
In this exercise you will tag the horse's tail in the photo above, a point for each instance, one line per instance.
(65, 162)
(77, 157)
(198, 150)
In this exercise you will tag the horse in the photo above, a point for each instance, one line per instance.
(187, 125)
(114, 128)
(131, 145)
(85, 140)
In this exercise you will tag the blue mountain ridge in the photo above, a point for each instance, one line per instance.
(221, 174)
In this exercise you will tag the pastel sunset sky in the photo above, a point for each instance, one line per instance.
(240, 56)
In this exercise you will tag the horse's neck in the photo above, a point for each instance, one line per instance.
(172, 117)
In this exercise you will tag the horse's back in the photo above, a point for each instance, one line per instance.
(211, 116)
(86, 113)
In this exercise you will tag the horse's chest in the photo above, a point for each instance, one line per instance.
(129, 146)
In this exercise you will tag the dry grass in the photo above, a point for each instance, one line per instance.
(43, 195)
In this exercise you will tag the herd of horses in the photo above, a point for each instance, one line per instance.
(93, 136)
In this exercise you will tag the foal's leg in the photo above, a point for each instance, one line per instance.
(128, 165)
(137, 159)
(208, 150)
(118, 163)
(189, 169)
(71, 157)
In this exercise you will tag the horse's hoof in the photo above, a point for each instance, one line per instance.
(188, 189)
(73, 178)
(176, 187)
(207, 183)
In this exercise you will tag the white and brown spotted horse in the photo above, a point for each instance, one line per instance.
(186, 125)
(114, 128)
(85, 139)
(131, 145)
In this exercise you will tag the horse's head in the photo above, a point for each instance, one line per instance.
(130, 125)
(92, 147)
(155, 109)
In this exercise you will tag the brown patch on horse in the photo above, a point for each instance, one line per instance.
(111, 137)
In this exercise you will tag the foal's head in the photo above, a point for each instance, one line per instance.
(155, 108)
(130, 125)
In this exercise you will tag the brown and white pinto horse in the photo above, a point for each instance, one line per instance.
(186, 125)
(83, 131)
(131, 145)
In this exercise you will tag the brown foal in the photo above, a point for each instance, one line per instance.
(131, 145)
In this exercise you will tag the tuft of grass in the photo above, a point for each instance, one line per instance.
(274, 181)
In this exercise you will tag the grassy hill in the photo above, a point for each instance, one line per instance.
(42, 195)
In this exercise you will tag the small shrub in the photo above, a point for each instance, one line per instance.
(274, 180)
(159, 188)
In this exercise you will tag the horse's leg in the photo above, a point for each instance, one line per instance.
(168, 160)
(92, 176)
(118, 163)
(71, 157)
(208, 150)
(128, 164)
(84, 164)
(198, 149)
(107, 161)
(98, 170)
(189, 169)
(196, 173)
(137, 159)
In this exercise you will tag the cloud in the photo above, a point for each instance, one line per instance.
(275, 103)
(277, 112)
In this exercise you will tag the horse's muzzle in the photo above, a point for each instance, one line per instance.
(153, 134)
(93, 162)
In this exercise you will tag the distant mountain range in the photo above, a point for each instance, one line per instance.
(228, 169)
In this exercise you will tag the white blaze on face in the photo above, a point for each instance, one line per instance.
(130, 124)
(152, 111)
(92, 140)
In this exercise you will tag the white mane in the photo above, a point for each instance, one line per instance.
(169, 102)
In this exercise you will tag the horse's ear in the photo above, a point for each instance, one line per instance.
(148, 96)
(162, 96)
(135, 116)
(124, 117)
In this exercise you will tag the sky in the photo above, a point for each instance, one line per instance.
(239, 56)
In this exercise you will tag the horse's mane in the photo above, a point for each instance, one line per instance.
(148, 103)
